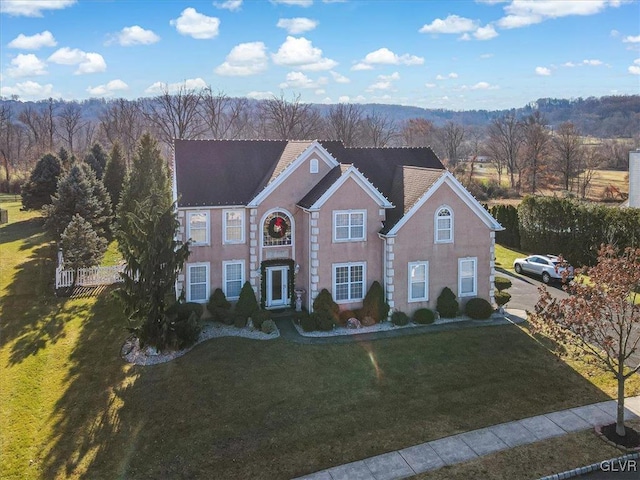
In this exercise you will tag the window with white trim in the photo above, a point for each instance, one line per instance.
(198, 227)
(313, 165)
(277, 230)
(418, 281)
(348, 281)
(233, 275)
(349, 225)
(198, 282)
(233, 227)
(443, 225)
(467, 277)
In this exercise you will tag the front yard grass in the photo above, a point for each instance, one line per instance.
(236, 408)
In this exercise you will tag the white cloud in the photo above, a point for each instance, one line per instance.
(443, 77)
(486, 55)
(88, 62)
(339, 78)
(484, 86)
(136, 35)
(27, 66)
(190, 84)
(260, 95)
(321, 91)
(196, 25)
(485, 33)
(361, 66)
(29, 90)
(544, 71)
(297, 25)
(295, 3)
(300, 53)
(634, 70)
(300, 80)
(430, 85)
(244, 59)
(451, 24)
(385, 82)
(614, 33)
(343, 99)
(108, 89)
(631, 39)
(33, 42)
(569, 65)
(592, 63)
(32, 8)
(231, 5)
(384, 56)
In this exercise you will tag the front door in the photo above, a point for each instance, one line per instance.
(277, 286)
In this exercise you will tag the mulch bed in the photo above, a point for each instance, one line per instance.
(630, 440)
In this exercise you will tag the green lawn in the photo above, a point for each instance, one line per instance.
(236, 408)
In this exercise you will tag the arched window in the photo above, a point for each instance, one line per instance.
(313, 165)
(444, 225)
(277, 230)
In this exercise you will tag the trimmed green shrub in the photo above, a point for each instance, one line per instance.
(298, 316)
(218, 305)
(478, 309)
(324, 302)
(424, 316)
(447, 305)
(502, 298)
(247, 304)
(259, 318)
(374, 304)
(502, 283)
(269, 326)
(507, 215)
(323, 320)
(184, 332)
(399, 318)
(239, 321)
(308, 323)
(184, 310)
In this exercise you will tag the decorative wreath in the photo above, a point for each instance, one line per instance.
(278, 227)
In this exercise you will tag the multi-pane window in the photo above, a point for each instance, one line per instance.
(467, 277)
(198, 227)
(348, 284)
(198, 282)
(349, 226)
(444, 225)
(277, 230)
(418, 281)
(233, 226)
(313, 165)
(233, 279)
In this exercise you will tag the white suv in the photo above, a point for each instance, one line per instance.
(549, 267)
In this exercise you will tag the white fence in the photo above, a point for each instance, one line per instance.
(89, 277)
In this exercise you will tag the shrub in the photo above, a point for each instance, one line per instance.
(423, 316)
(308, 323)
(185, 332)
(367, 321)
(247, 304)
(269, 326)
(344, 316)
(218, 305)
(259, 318)
(447, 305)
(502, 298)
(399, 318)
(240, 321)
(502, 283)
(324, 302)
(323, 320)
(478, 309)
(184, 310)
(298, 316)
(374, 304)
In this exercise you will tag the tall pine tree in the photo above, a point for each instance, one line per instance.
(42, 183)
(81, 246)
(114, 175)
(97, 159)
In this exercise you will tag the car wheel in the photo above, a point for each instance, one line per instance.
(518, 268)
(546, 278)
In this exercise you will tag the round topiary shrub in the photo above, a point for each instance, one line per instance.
(184, 310)
(447, 305)
(323, 320)
(399, 318)
(184, 332)
(259, 317)
(502, 283)
(502, 298)
(478, 309)
(308, 323)
(268, 326)
(424, 316)
(239, 321)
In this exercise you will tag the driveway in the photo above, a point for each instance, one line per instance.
(524, 292)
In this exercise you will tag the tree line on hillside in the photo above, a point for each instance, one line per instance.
(518, 141)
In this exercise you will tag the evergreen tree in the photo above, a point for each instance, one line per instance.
(114, 175)
(80, 192)
(97, 159)
(147, 228)
(81, 245)
(65, 160)
(42, 183)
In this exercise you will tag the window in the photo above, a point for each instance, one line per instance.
(467, 277)
(349, 226)
(198, 227)
(444, 225)
(233, 226)
(348, 281)
(277, 230)
(418, 281)
(198, 282)
(233, 274)
(313, 165)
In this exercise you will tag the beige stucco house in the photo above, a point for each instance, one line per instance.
(306, 215)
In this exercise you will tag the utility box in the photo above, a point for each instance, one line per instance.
(4, 216)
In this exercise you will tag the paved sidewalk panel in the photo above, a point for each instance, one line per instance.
(542, 427)
(483, 441)
(593, 415)
(323, 475)
(389, 466)
(611, 408)
(352, 471)
(512, 433)
(568, 421)
(422, 458)
(453, 450)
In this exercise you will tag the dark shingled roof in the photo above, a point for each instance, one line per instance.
(323, 185)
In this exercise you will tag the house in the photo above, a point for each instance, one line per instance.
(300, 216)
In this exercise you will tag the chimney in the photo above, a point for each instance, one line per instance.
(634, 179)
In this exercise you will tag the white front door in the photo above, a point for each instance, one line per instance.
(277, 286)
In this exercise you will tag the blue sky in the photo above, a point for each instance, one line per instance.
(461, 54)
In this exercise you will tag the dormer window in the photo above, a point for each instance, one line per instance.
(313, 165)
(443, 225)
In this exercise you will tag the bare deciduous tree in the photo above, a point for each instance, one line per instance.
(451, 136)
(536, 143)
(344, 122)
(224, 116)
(290, 120)
(378, 130)
(417, 132)
(568, 151)
(122, 122)
(503, 144)
(70, 122)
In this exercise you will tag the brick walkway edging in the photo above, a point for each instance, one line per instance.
(594, 467)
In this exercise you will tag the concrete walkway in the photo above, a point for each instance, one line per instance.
(467, 446)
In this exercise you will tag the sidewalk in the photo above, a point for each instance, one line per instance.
(467, 446)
